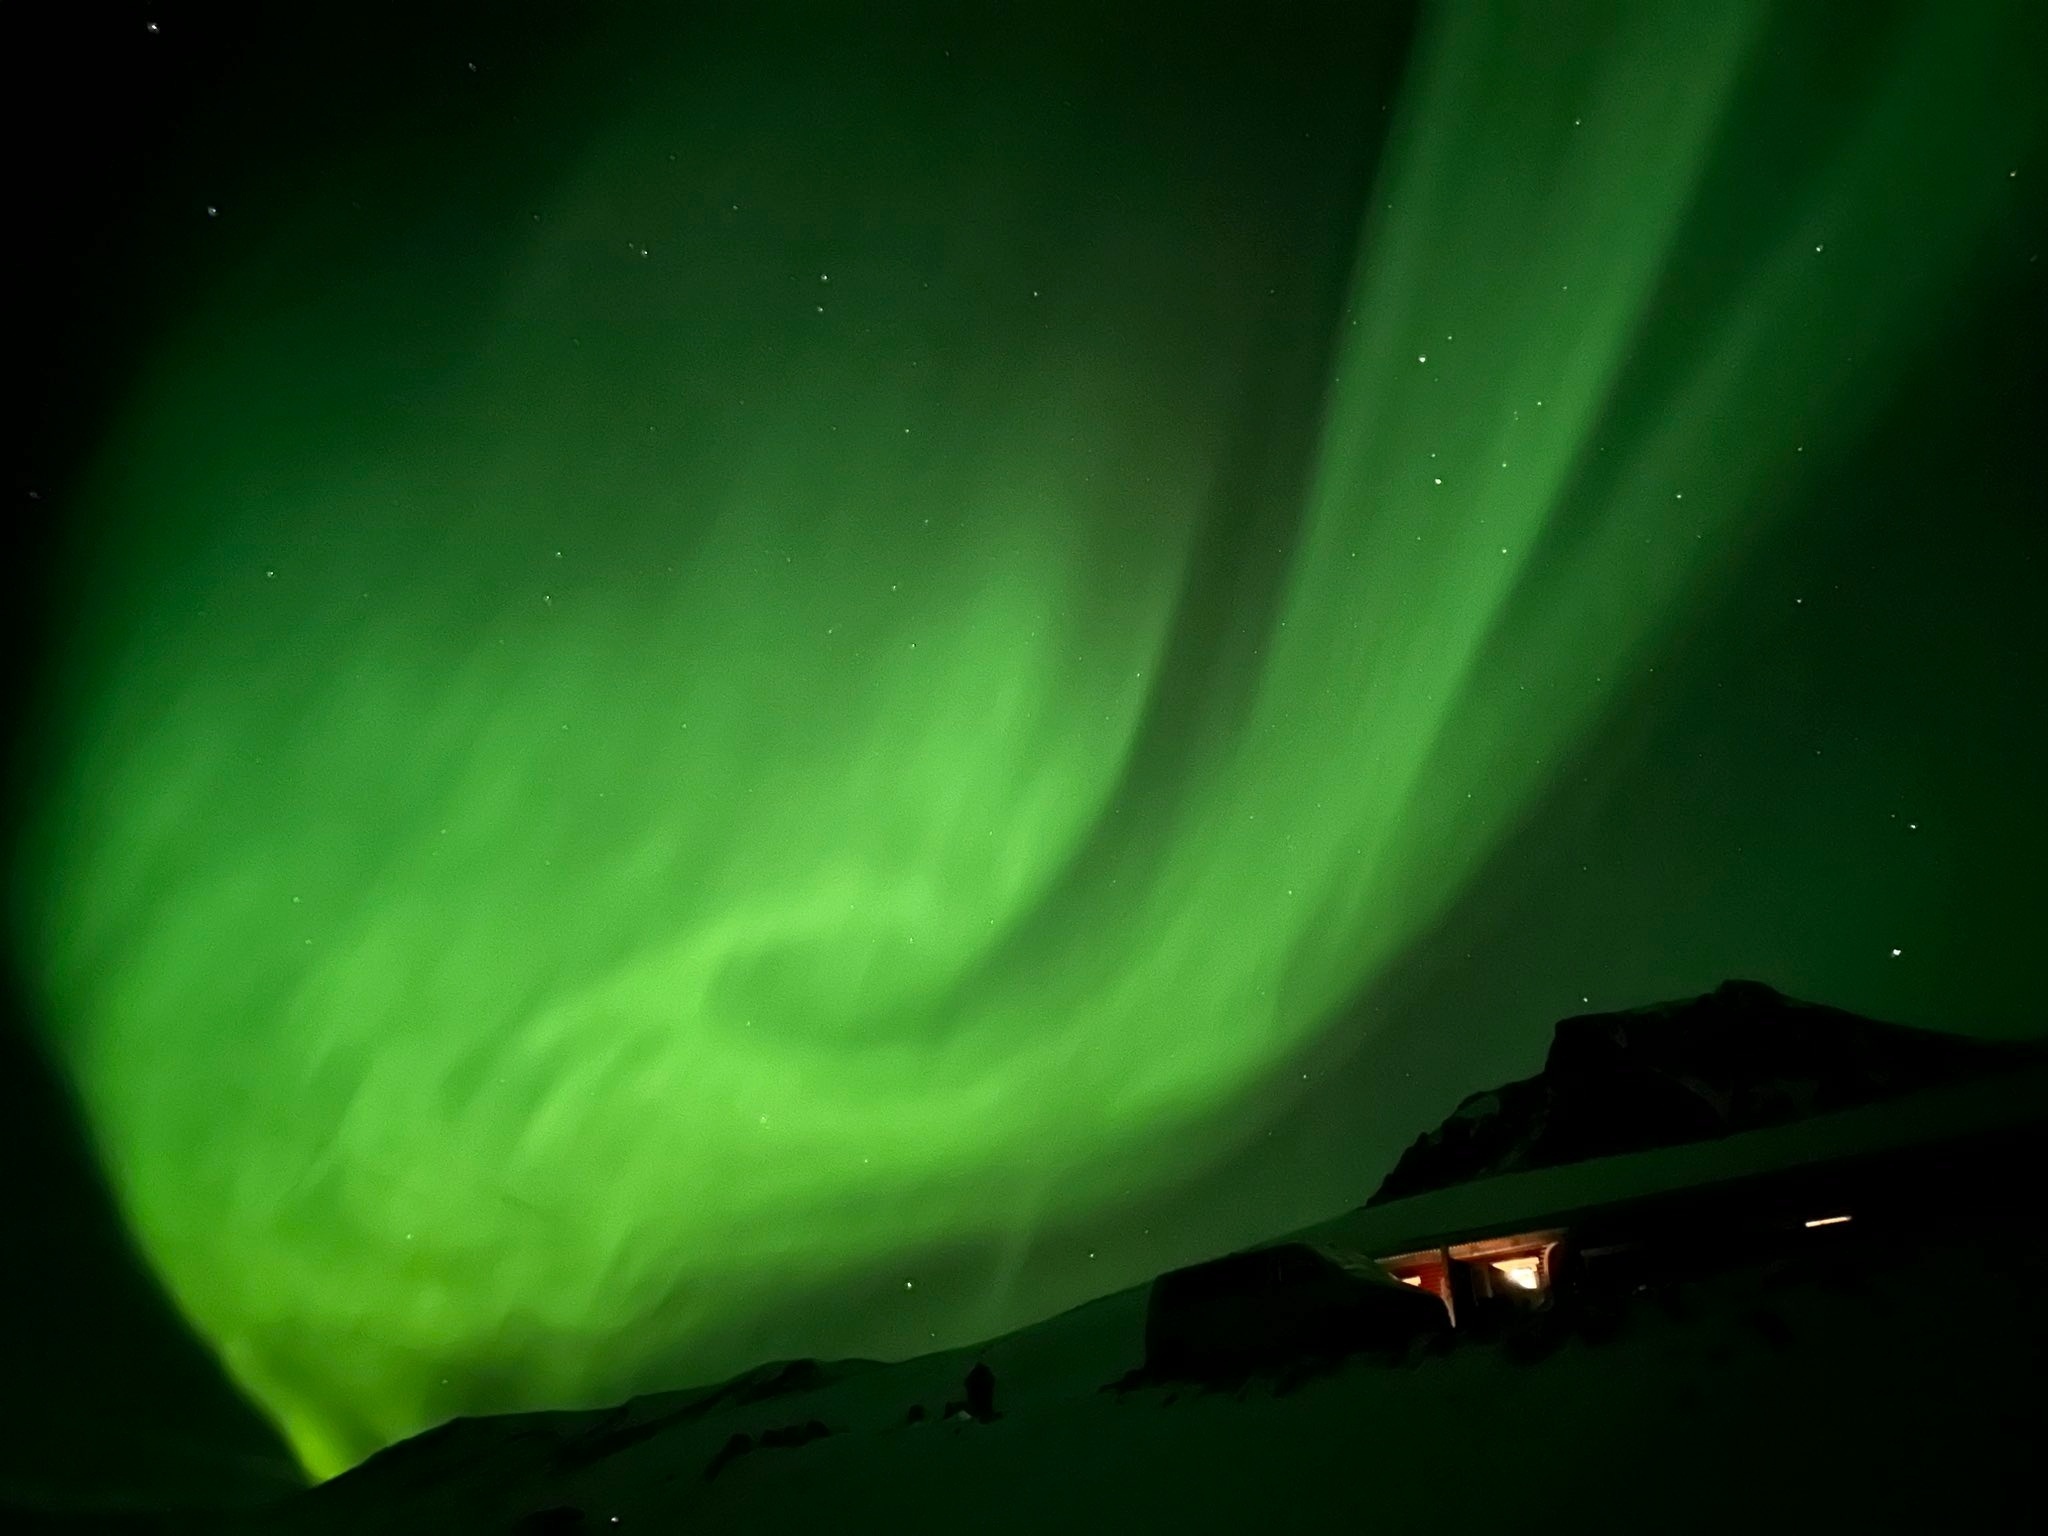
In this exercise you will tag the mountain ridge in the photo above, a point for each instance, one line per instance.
(1741, 1057)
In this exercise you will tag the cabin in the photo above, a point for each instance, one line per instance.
(1829, 1187)
(1413, 1272)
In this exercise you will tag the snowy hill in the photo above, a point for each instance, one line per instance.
(1871, 1375)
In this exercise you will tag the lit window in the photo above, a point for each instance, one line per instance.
(1526, 1272)
(1411, 1279)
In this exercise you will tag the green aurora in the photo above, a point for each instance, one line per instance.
(738, 702)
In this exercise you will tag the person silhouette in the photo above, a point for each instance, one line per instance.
(981, 1393)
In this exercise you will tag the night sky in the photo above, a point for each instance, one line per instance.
(707, 682)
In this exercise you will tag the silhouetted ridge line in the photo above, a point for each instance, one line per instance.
(1740, 1058)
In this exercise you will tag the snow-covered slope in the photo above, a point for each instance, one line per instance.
(1860, 1392)
(1872, 1376)
(1867, 1381)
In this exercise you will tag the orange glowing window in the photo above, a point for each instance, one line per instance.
(1525, 1271)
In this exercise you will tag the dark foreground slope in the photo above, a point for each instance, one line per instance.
(107, 1397)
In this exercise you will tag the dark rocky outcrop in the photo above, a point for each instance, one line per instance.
(737, 1444)
(781, 1438)
(1272, 1310)
(788, 1436)
(1740, 1058)
(625, 1427)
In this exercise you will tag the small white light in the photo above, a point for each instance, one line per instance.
(1827, 1221)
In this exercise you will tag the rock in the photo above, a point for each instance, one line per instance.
(791, 1435)
(735, 1447)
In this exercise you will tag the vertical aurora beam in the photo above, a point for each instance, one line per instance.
(1509, 515)
(508, 967)
(1530, 192)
